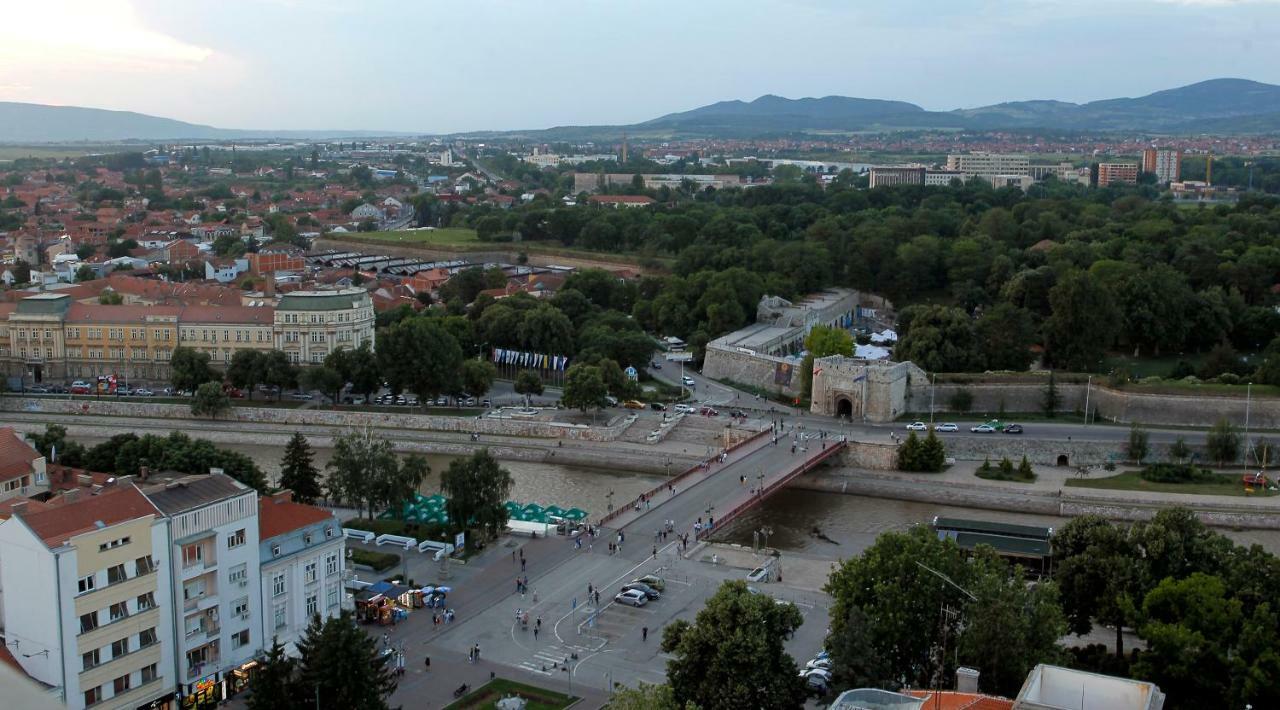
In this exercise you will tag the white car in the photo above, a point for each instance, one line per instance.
(917, 426)
(822, 663)
(686, 409)
(632, 597)
(759, 574)
(688, 381)
(946, 427)
(983, 429)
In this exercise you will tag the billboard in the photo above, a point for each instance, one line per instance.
(782, 374)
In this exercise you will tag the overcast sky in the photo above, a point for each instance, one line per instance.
(450, 65)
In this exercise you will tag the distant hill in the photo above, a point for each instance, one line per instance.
(777, 113)
(39, 123)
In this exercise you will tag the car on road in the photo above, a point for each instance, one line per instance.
(643, 588)
(738, 414)
(656, 365)
(143, 392)
(658, 406)
(81, 387)
(631, 597)
(948, 426)
(917, 426)
(633, 404)
(686, 409)
(983, 429)
(688, 381)
(471, 401)
(759, 574)
(487, 403)
(301, 396)
(708, 411)
(1013, 429)
(654, 581)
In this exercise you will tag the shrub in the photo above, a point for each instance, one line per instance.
(1181, 369)
(379, 561)
(1178, 473)
(1005, 471)
(1228, 378)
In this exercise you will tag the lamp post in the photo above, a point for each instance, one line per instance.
(1248, 393)
(1088, 384)
(933, 385)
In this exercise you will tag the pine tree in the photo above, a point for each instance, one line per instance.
(933, 455)
(1024, 470)
(909, 453)
(274, 687)
(1006, 468)
(297, 472)
(342, 664)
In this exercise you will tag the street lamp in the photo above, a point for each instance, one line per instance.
(1088, 384)
(933, 385)
(609, 497)
(1248, 392)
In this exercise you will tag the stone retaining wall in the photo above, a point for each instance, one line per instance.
(756, 370)
(323, 417)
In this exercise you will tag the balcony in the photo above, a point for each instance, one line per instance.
(207, 667)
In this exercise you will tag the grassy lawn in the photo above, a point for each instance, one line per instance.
(449, 236)
(1210, 388)
(1006, 417)
(377, 560)
(464, 240)
(1230, 485)
(1140, 367)
(487, 695)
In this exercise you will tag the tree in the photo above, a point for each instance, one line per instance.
(1223, 442)
(939, 339)
(322, 378)
(1004, 335)
(1138, 448)
(278, 372)
(1099, 573)
(731, 656)
(476, 488)
(1024, 470)
(53, 445)
(85, 273)
(528, 383)
(823, 341)
(477, 377)
(1051, 398)
(420, 356)
(1190, 626)
(855, 662)
(210, 400)
(643, 697)
(341, 663)
(1082, 323)
(584, 387)
(359, 366)
(298, 473)
(926, 456)
(110, 298)
(360, 460)
(189, 369)
(274, 686)
(246, 370)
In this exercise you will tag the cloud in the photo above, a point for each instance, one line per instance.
(90, 33)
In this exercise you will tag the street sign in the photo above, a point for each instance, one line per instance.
(631, 373)
(460, 541)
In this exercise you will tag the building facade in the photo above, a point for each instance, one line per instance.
(892, 175)
(982, 164)
(1117, 173)
(1164, 163)
(86, 601)
(23, 471)
(303, 556)
(211, 522)
(50, 337)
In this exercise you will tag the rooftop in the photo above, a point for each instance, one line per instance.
(321, 300)
(179, 493)
(77, 512)
(1056, 688)
(16, 455)
(279, 514)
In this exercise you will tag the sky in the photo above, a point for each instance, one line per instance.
(447, 66)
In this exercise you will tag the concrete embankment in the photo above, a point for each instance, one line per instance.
(1046, 498)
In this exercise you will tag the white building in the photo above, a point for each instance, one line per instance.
(212, 522)
(86, 606)
(303, 556)
(311, 324)
(942, 178)
(983, 164)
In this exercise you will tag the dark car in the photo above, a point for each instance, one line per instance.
(1013, 429)
(643, 588)
(658, 406)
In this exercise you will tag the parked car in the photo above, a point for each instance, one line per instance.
(442, 401)
(1013, 429)
(642, 588)
(471, 401)
(301, 396)
(654, 581)
(823, 663)
(658, 406)
(948, 426)
(688, 381)
(738, 414)
(759, 574)
(917, 426)
(656, 365)
(487, 403)
(81, 387)
(633, 404)
(143, 392)
(983, 429)
(38, 389)
(631, 597)
(816, 680)
(686, 409)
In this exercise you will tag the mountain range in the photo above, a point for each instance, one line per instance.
(1219, 106)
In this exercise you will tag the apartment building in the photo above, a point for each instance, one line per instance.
(87, 608)
(50, 336)
(983, 164)
(1113, 173)
(311, 324)
(893, 175)
(942, 178)
(1164, 163)
(22, 468)
(303, 557)
(211, 522)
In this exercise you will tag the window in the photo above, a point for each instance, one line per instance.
(114, 544)
(119, 648)
(195, 590)
(91, 659)
(331, 565)
(192, 555)
(116, 574)
(147, 637)
(277, 585)
(86, 584)
(275, 550)
(143, 565)
(328, 532)
(88, 622)
(121, 684)
(119, 611)
(146, 601)
(149, 673)
(93, 696)
(239, 573)
(240, 607)
(309, 572)
(235, 539)
(331, 596)
(240, 638)
(313, 606)
(280, 616)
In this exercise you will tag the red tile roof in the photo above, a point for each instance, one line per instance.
(65, 518)
(16, 455)
(954, 700)
(278, 514)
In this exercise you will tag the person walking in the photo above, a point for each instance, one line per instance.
(644, 633)
(521, 564)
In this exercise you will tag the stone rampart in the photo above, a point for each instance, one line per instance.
(752, 369)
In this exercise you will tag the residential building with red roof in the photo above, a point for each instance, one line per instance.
(304, 557)
(617, 201)
(22, 468)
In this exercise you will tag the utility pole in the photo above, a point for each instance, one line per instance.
(1088, 384)
(1248, 392)
(933, 385)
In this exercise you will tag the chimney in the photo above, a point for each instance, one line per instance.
(143, 472)
(19, 509)
(72, 495)
(966, 680)
(285, 496)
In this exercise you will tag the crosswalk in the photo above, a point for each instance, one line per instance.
(550, 659)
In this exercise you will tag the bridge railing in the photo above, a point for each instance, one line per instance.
(679, 479)
(783, 480)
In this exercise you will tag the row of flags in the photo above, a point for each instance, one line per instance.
(522, 359)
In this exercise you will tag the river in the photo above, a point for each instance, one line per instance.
(850, 522)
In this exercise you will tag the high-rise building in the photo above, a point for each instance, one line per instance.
(983, 164)
(891, 175)
(1164, 163)
(1111, 173)
(87, 605)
